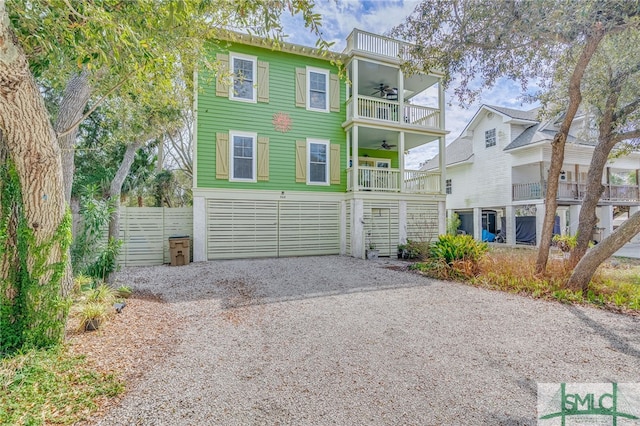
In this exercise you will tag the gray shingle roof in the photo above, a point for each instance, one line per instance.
(457, 151)
(533, 134)
(531, 115)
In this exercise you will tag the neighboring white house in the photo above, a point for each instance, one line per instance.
(497, 171)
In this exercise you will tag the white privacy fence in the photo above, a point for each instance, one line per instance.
(145, 233)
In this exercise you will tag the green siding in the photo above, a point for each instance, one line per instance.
(219, 114)
(379, 153)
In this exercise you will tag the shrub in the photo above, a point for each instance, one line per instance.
(566, 243)
(453, 223)
(451, 248)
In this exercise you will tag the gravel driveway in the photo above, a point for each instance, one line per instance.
(341, 341)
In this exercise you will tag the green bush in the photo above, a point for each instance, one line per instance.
(451, 248)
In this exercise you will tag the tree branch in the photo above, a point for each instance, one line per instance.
(627, 135)
(95, 106)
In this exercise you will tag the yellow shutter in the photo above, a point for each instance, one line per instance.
(334, 164)
(334, 93)
(263, 158)
(301, 161)
(222, 156)
(301, 87)
(263, 81)
(222, 81)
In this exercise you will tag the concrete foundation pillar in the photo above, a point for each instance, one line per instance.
(477, 224)
(563, 221)
(510, 221)
(199, 229)
(540, 209)
(574, 219)
(402, 222)
(606, 220)
(357, 242)
(442, 219)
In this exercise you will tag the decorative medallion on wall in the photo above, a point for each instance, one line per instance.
(281, 122)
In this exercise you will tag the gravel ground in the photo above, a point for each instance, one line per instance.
(341, 341)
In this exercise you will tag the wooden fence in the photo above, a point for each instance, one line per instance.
(145, 232)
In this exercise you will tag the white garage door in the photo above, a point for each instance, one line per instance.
(248, 229)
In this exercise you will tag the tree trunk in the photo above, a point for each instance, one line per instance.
(74, 100)
(557, 147)
(115, 189)
(594, 190)
(43, 228)
(587, 266)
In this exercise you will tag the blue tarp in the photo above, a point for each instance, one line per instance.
(488, 236)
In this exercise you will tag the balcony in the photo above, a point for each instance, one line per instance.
(575, 191)
(386, 111)
(389, 180)
(375, 44)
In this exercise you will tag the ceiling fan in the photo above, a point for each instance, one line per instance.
(385, 90)
(385, 145)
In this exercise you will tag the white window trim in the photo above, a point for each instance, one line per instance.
(327, 86)
(254, 60)
(327, 144)
(495, 138)
(254, 174)
(448, 187)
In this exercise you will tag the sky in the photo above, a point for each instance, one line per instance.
(340, 17)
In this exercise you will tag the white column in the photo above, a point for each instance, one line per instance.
(477, 223)
(402, 222)
(540, 209)
(357, 242)
(441, 104)
(349, 157)
(510, 222)
(443, 164)
(354, 81)
(199, 229)
(574, 218)
(401, 160)
(606, 220)
(400, 96)
(442, 218)
(563, 220)
(354, 149)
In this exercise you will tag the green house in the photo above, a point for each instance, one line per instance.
(293, 157)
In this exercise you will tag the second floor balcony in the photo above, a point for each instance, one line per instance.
(573, 191)
(388, 111)
(392, 180)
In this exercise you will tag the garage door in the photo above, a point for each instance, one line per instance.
(247, 229)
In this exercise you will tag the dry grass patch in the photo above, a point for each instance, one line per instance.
(616, 284)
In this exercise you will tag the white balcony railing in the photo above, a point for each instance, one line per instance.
(420, 182)
(377, 109)
(377, 45)
(388, 111)
(388, 180)
(574, 191)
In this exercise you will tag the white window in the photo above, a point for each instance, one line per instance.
(243, 157)
(318, 161)
(490, 138)
(317, 89)
(447, 186)
(243, 68)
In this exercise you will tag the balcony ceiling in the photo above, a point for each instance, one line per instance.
(371, 75)
(370, 138)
